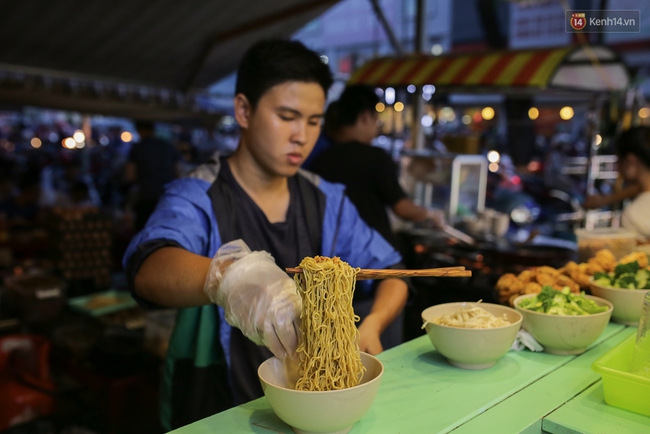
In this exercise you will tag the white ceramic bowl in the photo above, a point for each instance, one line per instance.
(333, 411)
(471, 348)
(627, 302)
(565, 334)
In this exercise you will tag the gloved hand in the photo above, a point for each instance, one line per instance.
(259, 298)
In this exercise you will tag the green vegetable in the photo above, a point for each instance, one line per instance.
(630, 267)
(643, 278)
(625, 276)
(562, 302)
(626, 281)
(603, 279)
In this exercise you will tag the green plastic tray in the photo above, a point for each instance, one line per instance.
(115, 302)
(621, 388)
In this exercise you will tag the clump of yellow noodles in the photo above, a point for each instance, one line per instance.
(329, 351)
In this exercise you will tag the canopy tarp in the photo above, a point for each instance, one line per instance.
(589, 68)
(133, 58)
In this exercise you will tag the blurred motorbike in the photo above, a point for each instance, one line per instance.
(533, 207)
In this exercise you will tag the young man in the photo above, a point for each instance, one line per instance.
(193, 254)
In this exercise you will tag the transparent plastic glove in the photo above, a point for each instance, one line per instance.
(257, 296)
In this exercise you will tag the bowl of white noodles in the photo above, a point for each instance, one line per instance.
(471, 335)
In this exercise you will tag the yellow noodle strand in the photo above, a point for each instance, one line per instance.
(329, 351)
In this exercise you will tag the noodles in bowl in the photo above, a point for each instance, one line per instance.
(471, 336)
(471, 317)
(329, 351)
(336, 383)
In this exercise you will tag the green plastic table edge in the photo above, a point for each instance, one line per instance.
(524, 412)
(257, 417)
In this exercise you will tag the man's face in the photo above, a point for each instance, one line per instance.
(282, 130)
(372, 125)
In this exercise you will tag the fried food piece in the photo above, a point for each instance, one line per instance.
(545, 279)
(605, 253)
(581, 279)
(606, 259)
(526, 276)
(563, 281)
(570, 266)
(594, 267)
(532, 288)
(640, 257)
(546, 270)
(583, 267)
(506, 281)
(509, 283)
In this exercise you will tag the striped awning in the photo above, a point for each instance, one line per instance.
(594, 68)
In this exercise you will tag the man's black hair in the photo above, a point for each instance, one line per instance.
(275, 61)
(635, 141)
(354, 100)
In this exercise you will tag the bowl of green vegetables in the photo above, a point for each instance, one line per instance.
(625, 288)
(563, 322)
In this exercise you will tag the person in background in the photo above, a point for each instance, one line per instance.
(601, 200)
(554, 160)
(152, 164)
(633, 148)
(368, 172)
(220, 238)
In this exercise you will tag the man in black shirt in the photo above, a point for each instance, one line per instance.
(369, 173)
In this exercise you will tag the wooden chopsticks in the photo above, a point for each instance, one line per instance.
(366, 274)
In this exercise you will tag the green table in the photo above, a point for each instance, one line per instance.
(421, 393)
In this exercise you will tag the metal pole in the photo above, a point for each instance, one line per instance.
(394, 42)
(418, 102)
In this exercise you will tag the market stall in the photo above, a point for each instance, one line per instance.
(595, 69)
(590, 74)
(587, 73)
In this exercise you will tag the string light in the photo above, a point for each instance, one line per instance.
(487, 113)
(566, 113)
(126, 136)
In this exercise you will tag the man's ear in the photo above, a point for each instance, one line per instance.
(243, 110)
